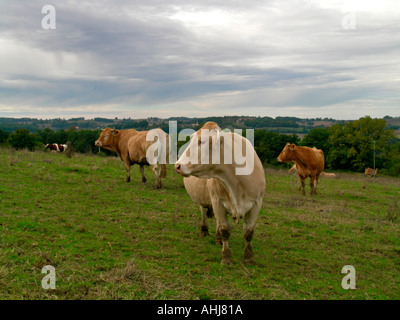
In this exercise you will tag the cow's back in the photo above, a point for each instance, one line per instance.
(310, 158)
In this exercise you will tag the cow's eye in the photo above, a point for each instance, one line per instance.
(105, 136)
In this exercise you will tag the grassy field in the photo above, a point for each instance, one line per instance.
(109, 239)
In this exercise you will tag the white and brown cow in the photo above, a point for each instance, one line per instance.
(56, 147)
(133, 147)
(235, 180)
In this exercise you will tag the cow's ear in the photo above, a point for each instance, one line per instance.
(292, 146)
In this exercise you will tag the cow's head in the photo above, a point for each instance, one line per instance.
(199, 158)
(287, 154)
(107, 138)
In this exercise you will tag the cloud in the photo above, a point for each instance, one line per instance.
(147, 58)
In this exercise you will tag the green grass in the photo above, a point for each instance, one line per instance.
(109, 239)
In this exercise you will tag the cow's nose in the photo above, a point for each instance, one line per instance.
(279, 159)
(97, 143)
(178, 168)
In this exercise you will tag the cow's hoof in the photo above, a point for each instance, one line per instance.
(204, 232)
(128, 179)
(249, 260)
(144, 180)
(226, 261)
(248, 255)
(226, 256)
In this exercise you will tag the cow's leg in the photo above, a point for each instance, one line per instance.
(248, 231)
(312, 185)
(142, 172)
(218, 236)
(128, 171)
(302, 185)
(315, 184)
(203, 225)
(157, 172)
(224, 230)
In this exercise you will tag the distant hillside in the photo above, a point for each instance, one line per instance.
(393, 123)
(287, 125)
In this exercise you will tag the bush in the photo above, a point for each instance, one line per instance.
(22, 139)
(3, 136)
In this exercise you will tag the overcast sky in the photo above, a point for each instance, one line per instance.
(304, 58)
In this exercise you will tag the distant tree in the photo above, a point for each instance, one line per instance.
(268, 144)
(142, 124)
(352, 144)
(319, 138)
(22, 138)
(61, 136)
(45, 136)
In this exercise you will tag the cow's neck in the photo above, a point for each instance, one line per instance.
(234, 187)
(116, 147)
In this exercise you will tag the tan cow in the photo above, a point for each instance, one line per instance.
(198, 192)
(293, 168)
(133, 147)
(371, 172)
(323, 173)
(309, 162)
(235, 180)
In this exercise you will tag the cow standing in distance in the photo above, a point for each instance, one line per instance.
(371, 172)
(133, 147)
(235, 186)
(309, 163)
(56, 147)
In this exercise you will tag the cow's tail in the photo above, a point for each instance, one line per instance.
(328, 174)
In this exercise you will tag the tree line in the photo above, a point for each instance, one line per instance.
(347, 146)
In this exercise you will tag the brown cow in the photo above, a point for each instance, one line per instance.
(133, 146)
(371, 172)
(235, 180)
(198, 192)
(309, 163)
